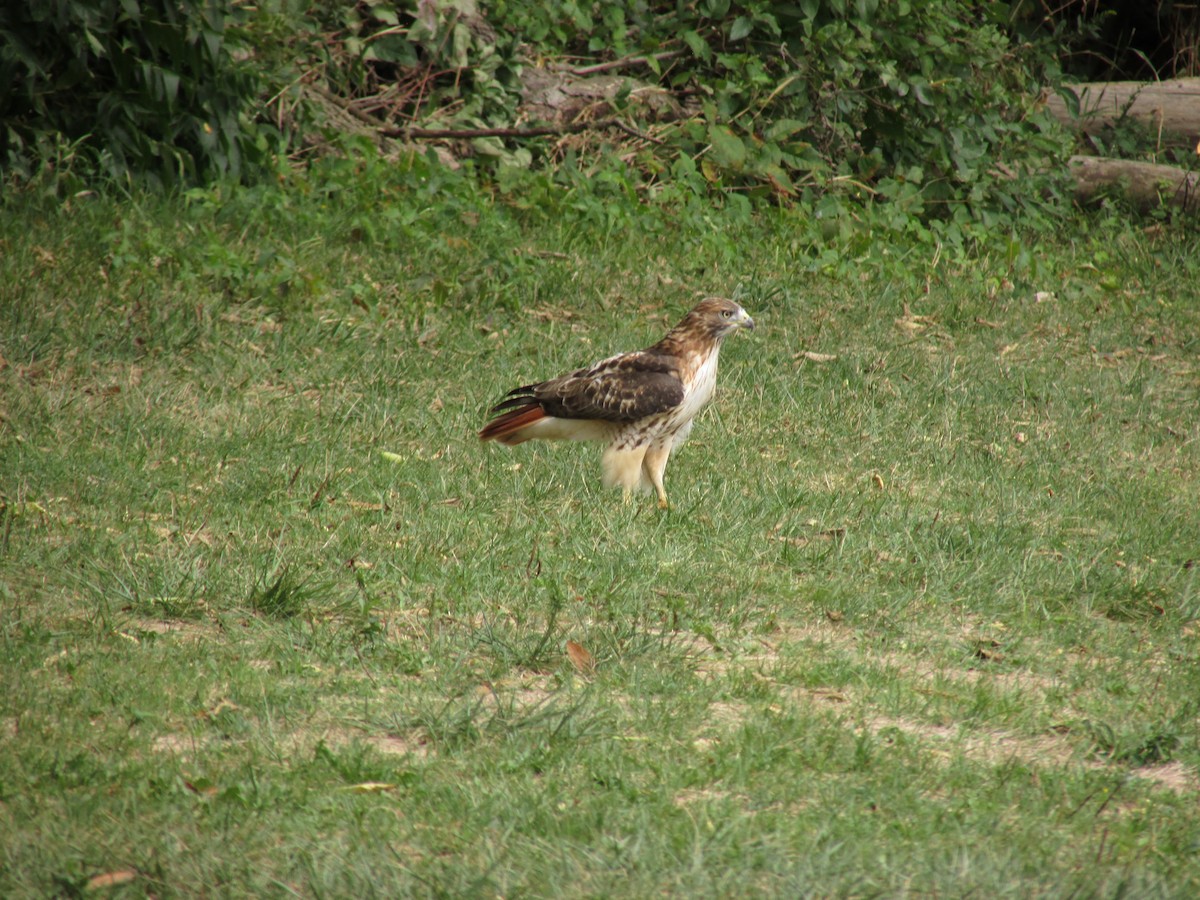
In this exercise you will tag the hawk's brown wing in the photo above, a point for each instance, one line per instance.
(622, 388)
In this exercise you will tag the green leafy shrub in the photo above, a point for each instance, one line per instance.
(145, 87)
(900, 116)
(929, 109)
(931, 106)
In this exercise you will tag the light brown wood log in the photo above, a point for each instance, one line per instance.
(1163, 106)
(1146, 186)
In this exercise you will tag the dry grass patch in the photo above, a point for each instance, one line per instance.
(929, 661)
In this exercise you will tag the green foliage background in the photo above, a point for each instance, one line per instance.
(932, 106)
(928, 109)
(153, 88)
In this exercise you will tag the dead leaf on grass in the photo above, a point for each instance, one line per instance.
(813, 356)
(913, 323)
(800, 540)
(552, 314)
(110, 879)
(201, 786)
(988, 651)
(223, 705)
(581, 659)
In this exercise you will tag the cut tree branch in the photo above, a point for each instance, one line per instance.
(626, 62)
(468, 133)
(532, 131)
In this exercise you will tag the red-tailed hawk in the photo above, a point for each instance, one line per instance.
(641, 404)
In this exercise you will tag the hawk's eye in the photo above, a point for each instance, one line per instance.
(725, 314)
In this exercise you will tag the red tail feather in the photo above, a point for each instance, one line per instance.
(504, 428)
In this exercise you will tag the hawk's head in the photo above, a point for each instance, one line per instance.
(717, 318)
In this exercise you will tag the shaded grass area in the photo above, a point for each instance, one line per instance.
(923, 617)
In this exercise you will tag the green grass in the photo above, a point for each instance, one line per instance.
(923, 619)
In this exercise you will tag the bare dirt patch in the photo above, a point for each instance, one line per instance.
(727, 714)
(691, 796)
(925, 669)
(176, 744)
(192, 632)
(991, 747)
(412, 745)
(525, 691)
(1172, 776)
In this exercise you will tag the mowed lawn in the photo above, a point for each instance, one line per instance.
(923, 619)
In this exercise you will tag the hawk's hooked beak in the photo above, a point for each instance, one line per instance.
(745, 321)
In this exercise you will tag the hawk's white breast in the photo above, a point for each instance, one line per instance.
(695, 398)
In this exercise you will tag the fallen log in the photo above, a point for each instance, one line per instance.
(1164, 106)
(1146, 186)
